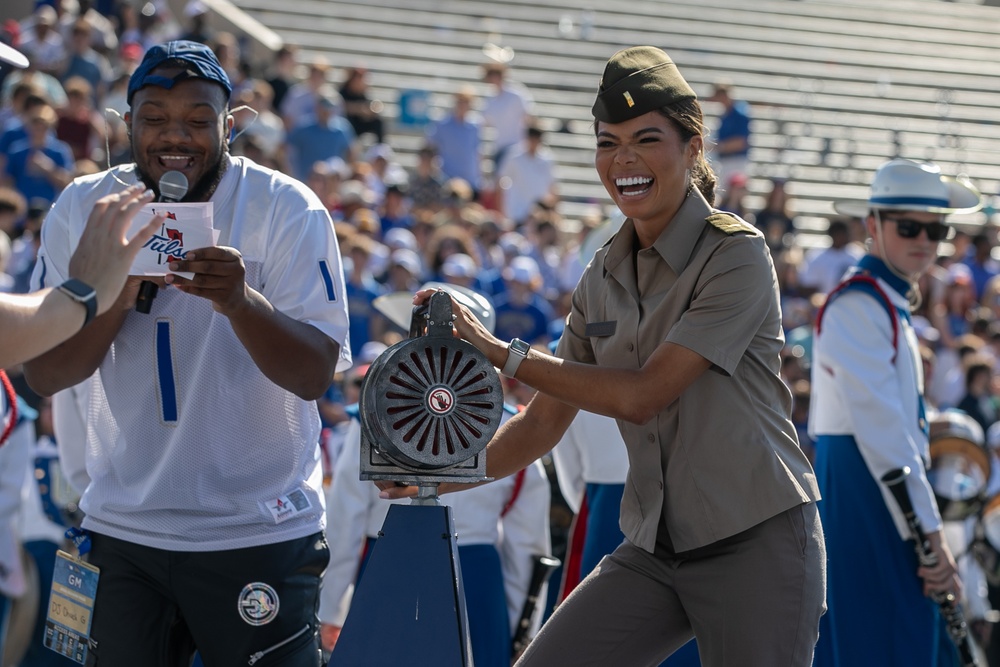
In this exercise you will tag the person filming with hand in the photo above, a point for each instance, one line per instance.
(37, 322)
(205, 510)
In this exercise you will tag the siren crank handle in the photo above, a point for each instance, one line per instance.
(418, 320)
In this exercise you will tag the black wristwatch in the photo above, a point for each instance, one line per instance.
(83, 294)
(517, 350)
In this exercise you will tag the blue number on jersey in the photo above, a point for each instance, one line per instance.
(165, 373)
(324, 269)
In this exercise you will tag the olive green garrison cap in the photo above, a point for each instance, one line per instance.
(638, 80)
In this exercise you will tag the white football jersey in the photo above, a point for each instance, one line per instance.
(189, 446)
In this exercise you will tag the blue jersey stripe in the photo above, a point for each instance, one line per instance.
(324, 269)
(165, 371)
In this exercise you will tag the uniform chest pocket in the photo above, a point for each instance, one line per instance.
(600, 329)
(601, 335)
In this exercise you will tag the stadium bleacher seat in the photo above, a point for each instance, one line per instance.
(836, 87)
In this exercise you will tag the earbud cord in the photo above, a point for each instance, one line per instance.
(107, 134)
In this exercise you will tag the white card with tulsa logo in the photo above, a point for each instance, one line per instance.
(186, 226)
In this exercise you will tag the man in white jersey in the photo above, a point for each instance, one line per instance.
(205, 503)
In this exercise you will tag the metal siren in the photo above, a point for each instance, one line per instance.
(429, 404)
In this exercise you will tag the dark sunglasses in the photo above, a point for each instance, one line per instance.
(908, 228)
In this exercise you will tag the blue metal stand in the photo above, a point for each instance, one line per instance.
(409, 607)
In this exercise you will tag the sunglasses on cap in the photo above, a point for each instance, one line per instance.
(909, 228)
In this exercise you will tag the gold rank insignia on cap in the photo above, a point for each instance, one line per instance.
(638, 80)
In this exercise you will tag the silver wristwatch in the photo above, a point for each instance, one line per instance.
(517, 350)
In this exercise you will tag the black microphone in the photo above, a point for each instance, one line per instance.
(173, 187)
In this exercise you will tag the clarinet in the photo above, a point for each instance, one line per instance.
(540, 571)
(950, 608)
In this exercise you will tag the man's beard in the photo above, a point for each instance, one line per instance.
(203, 189)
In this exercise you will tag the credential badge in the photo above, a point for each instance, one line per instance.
(258, 603)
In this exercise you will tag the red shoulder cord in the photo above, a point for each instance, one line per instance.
(861, 278)
(8, 390)
(518, 483)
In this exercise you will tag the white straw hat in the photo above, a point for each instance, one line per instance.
(398, 306)
(905, 185)
(11, 55)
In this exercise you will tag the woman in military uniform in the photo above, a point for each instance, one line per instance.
(675, 332)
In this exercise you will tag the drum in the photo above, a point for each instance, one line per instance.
(987, 545)
(960, 465)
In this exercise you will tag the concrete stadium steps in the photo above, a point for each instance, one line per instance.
(836, 87)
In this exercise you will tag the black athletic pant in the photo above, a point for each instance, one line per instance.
(154, 607)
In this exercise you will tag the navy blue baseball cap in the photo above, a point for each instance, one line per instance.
(197, 60)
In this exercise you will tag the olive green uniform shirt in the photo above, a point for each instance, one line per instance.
(724, 456)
